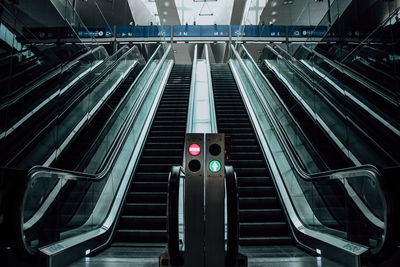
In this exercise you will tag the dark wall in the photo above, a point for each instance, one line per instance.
(363, 16)
(103, 12)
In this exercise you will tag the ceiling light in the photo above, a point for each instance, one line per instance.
(166, 3)
(273, 4)
(274, 13)
(287, 2)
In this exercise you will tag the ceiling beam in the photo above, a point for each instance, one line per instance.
(141, 14)
(237, 11)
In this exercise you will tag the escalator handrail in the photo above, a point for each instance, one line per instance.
(232, 197)
(54, 173)
(290, 115)
(38, 82)
(383, 121)
(173, 215)
(328, 99)
(371, 85)
(58, 174)
(318, 176)
(81, 94)
(363, 171)
(36, 79)
(133, 112)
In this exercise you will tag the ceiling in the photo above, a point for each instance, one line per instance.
(201, 12)
(293, 12)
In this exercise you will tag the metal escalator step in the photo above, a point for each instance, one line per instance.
(244, 148)
(144, 215)
(147, 197)
(143, 222)
(265, 241)
(151, 176)
(258, 203)
(149, 186)
(254, 181)
(248, 163)
(154, 167)
(246, 156)
(154, 209)
(260, 215)
(162, 159)
(172, 133)
(140, 236)
(163, 145)
(165, 139)
(256, 191)
(263, 171)
(264, 229)
(162, 152)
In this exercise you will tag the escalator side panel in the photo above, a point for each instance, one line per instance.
(262, 219)
(144, 216)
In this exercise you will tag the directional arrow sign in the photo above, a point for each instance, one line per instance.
(215, 166)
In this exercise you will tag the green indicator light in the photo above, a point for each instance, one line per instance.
(214, 166)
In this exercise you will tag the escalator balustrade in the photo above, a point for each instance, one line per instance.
(143, 218)
(68, 211)
(262, 219)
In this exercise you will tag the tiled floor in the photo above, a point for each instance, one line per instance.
(283, 256)
(280, 256)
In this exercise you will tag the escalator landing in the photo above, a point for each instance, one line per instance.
(280, 256)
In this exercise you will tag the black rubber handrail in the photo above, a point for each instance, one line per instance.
(173, 216)
(233, 216)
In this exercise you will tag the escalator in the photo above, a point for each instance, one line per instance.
(66, 211)
(373, 94)
(143, 218)
(328, 155)
(333, 158)
(71, 107)
(262, 219)
(71, 158)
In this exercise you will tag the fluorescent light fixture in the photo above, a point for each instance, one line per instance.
(200, 42)
(287, 2)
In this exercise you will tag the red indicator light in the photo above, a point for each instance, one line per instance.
(194, 149)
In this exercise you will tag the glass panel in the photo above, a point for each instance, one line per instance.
(57, 204)
(348, 204)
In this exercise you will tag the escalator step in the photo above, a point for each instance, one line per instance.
(143, 222)
(259, 215)
(145, 213)
(265, 241)
(147, 197)
(151, 209)
(259, 203)
(264, 229)
(262, 220)
(140, 236)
